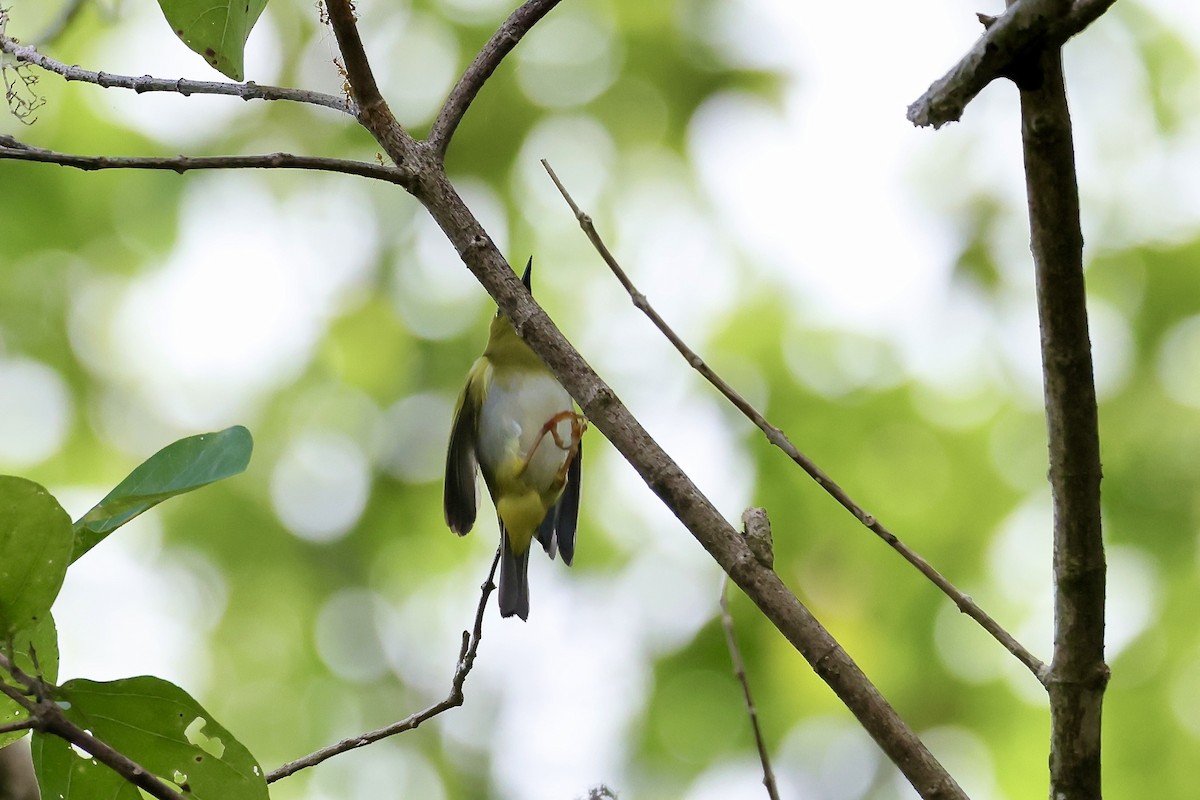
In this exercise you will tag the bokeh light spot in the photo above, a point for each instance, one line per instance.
(1179, 362)
(414, 434)
(319, 486)
(346, 636)
(35, 412)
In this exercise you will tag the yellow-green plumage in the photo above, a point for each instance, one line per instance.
(519, 427)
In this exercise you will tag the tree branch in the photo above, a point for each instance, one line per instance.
(373, 111)
(16, 150)
(46, 716)
(18, 725)
(466, 661)
(778, 438)
(501, 44)
(1078, 674)
(1005, 46)
(757, 528)
(145, 83)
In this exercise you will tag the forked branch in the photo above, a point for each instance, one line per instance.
(1003, 51)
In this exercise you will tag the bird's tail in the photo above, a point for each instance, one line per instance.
(514, 579)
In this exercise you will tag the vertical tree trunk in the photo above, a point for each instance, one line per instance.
(1078, 673)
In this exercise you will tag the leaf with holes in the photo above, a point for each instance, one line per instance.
(216, 30)
(35, 651)
(178, 468)
(157, 725)
(35, 549)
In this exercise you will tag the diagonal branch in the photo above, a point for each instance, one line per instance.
(46, 716)
(501, 44)
(1078, 674)
(778, 438)
(466, 661)
(1006, 45)
(145, 83)
(15, 150)
(373, 111)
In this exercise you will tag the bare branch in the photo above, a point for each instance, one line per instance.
(145, 83)
(501, 44)
(1005, 46)
(778, 438)
(756, 519)
(373, 111)
(16, 150)
(1078, 674)
(466, 661)
(46, 716)
(19, 725)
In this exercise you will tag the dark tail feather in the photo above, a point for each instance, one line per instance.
(514, 580)
(566, 514)
(545, 531)
(557, 531)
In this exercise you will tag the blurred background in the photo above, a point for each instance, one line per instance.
(866, 284)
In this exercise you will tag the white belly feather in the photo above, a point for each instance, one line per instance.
(514, 413)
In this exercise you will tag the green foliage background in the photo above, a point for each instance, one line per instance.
(958, 475)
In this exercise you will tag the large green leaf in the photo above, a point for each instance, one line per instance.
(160, 727)
(178, 468)
(35, 549)
(215, 29)
(36, 653)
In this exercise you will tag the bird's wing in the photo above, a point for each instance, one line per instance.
(460, 499)
(557, 531)
(567, 515)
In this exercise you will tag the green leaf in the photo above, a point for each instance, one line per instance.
(215, 29)
(35, 549)
(161, 728)
(35, 651)
(178, 468)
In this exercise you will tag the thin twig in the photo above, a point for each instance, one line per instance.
(466, 661)
(19, 725)
(778, 438)
(1006, 43)
(1078, 674)
(146, 83)
(735, 655)
(739, 672)
(46, 716)
(16, 150)
(493, 52)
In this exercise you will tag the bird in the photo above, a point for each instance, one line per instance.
(516, 424)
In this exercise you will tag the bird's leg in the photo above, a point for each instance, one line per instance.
(578, 426)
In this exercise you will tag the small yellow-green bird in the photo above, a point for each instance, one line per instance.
(519, 427)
